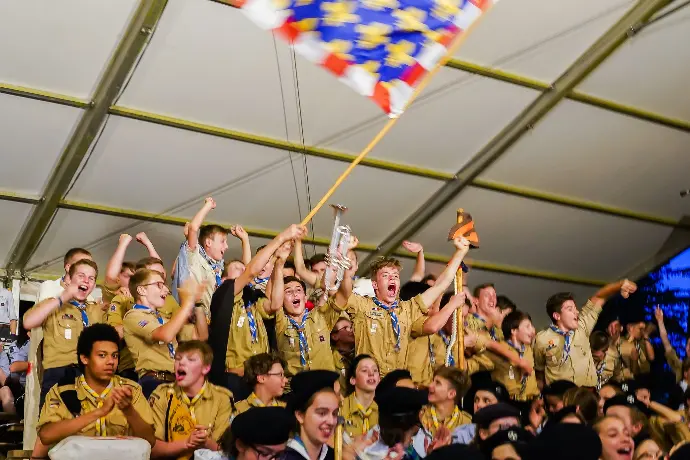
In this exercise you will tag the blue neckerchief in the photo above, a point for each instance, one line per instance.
(171, 349)
(259, 281)
(216, 265)
(521, 353)
(491, 330)
(82, 309)
(446, 340)
(567, 336)
(299, 327)
(252, 321)
(394, 319)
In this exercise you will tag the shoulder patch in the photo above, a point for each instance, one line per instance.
(113, 307)
(142, 324)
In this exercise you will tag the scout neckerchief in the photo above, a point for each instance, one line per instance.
(511, 373)
(100, 423)
(430, 421)
(216, 265)
(251, 320)
(600, 372)
(179, 420)
(567, 338)
(302, 337)
(491, 331)
(192, 402)
(254, 401)
(432, 355)
(394, 319)
(366, 413)
(82, 309)
(256, 282)
(156, 313)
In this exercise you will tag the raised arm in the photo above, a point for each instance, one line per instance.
(37, 315)
(301, 269)
(112, 270)
(462, 245)
(419, 267)
(240, 233)
(293, 232)
(197, 222)
(435, 323)
(190, 292)
(626, 287)
(144, 239)
(278, 285)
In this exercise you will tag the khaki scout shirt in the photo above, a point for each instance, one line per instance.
(254, 401)
(55, 410)
(342, 366)
(355, 416)
(120, 305)
(633, 368)
(610, 367)
(149, 355)
(578, 366)
(240, 344)
(426, 354)
(213, 409)
(202, 272)
(317, 330)
(481, 360)
(109, 291)
(374, 330)
(61, 331)
(511, 377)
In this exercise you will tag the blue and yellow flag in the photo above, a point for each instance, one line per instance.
(380, 48)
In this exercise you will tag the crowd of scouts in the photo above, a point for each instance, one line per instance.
(255, 359)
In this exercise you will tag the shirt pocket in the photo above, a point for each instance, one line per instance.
(554, 355)
(116, 424)
(68, 323)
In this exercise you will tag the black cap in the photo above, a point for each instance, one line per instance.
(481, 381)
(306, 383)
(629, 386)
(558, 388)
(518, 437)
(263, 426)
(566, 441)
(400, 401)
(454, 452)
(484, 416)
(391, 378)
(683, 453)
(628, 400)
(561, 414)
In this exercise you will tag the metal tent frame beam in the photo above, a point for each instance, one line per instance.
(578, 71)
(90, 123)
(522, 192)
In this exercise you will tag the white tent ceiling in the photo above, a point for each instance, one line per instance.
(215, 106)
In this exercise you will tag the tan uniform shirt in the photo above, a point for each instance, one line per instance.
(149, 355)
(213, 409)
(254, 401)
(631, 367)
(342, 365)
(358, 420)
(55, 409)
(61, 331)
(610, 368)
(426, 353)
(430, 422)
(578, 365)
(374, 330)
(481, 360)
(109, 291)
(520, 387)
(201, 270)
(240, 343)
(317, 330)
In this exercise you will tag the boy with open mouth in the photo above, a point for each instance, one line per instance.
(190, 413)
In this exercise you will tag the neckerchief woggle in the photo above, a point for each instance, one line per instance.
(82, 309)
(394, 319)
(567, 337)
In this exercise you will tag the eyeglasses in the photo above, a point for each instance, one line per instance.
(277, 374)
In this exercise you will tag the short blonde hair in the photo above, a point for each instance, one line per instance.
(383, 262)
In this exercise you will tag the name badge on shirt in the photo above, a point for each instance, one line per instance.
(376, 313)
(373, 328)
(68, 334)
(240, 322)
(292, 342)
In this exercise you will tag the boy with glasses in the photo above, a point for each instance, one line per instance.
(264, 373)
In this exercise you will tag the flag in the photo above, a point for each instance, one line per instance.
(380, 48)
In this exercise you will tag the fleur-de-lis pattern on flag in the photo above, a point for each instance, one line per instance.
(380, 48)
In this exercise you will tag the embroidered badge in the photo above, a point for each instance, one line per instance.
(142, 323)
(68, 316)
(321, 338)
(113, 307)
